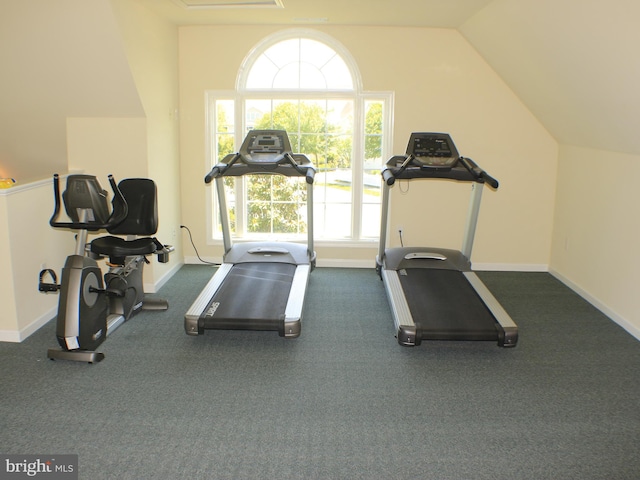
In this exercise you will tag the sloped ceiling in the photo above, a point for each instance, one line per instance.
(58, 60)
(574, 63)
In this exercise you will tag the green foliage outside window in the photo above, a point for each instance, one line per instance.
(277, 204)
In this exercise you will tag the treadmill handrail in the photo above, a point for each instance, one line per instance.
(219, 169)
(464, 170)
(286, 160)
(478, 172)
(308, 171)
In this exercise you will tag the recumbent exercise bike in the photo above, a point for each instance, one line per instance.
(89, 308)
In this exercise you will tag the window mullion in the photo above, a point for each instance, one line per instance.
(240, 182)
(357, 165)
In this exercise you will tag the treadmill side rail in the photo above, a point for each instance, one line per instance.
(406, 331)
(510, 329)
(198, 306)
(295, 302)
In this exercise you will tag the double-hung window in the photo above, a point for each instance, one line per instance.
(307, 84)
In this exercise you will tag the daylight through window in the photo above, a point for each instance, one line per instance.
(306, 84)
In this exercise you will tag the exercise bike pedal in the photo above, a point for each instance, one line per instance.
(48, 287)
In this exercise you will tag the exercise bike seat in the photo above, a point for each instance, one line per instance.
(140, 195)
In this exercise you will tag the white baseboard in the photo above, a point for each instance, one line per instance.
(623, 322)
(197, 261)
(154, 287)
(510, 267)
(346, 263)
(17, 336)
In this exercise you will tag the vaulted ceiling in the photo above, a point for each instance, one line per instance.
(574, 63)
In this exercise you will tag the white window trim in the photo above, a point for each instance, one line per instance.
(240, 95)
(257, 50)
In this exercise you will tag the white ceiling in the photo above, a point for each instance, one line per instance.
(419, 13)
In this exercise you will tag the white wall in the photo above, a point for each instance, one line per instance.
(23, 211)
(88, 130)
(59, 59)
(571, 63)
(151, 46)
(596, 230)
(440, 84)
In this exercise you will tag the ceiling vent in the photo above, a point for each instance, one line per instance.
(215, 4)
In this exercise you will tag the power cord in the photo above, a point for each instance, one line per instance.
(195, 249)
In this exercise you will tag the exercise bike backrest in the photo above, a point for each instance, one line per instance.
(140, 195)
(86, 204)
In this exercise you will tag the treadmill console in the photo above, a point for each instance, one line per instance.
(265, 146)
(432, 150)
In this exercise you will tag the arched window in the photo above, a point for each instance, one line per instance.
(306, 83)
(298, 63)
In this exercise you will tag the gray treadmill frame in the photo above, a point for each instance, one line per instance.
(405, 325)
(304, 258)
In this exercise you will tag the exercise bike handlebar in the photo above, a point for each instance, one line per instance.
(118, 214)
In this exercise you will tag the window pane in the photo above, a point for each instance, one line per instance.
(225, 145)
(224, 128)
(370, 220)
(299, 63)
(316, 52)
(332, 221)
(255, 111)
(340, 116)
(371, 169)
(262, 73)
(284, 52)
(275, 204)
(337, 74)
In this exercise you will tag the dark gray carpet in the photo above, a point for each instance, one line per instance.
(343, 401)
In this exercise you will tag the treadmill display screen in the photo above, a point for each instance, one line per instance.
(432, 150)
(431, 147)
(266, 143)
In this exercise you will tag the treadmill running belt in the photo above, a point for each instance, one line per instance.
(253, 295)
(444, 306)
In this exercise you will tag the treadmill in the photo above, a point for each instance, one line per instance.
(259, 285)
(432, 292)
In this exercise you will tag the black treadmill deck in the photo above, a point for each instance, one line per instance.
(444, 306)
(252, 297)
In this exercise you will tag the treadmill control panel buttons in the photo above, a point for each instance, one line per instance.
(432, 150)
